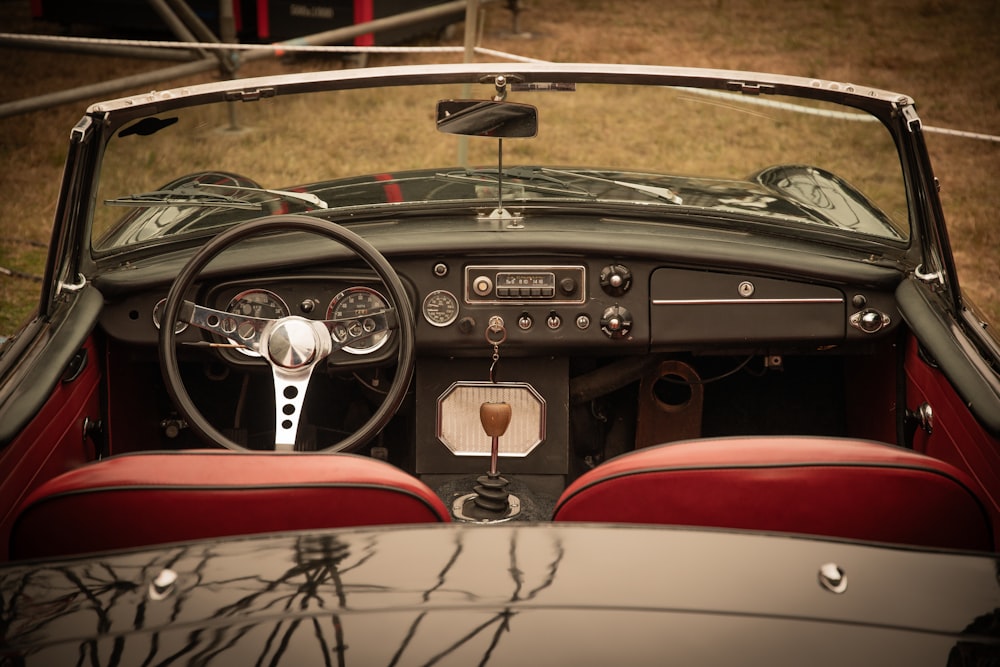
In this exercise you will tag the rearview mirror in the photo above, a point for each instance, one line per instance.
(486, 118)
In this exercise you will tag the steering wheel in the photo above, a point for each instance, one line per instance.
(292, 346)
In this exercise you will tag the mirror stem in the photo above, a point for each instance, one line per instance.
(500, 174)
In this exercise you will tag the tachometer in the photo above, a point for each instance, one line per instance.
(356, 303)
(256, 303)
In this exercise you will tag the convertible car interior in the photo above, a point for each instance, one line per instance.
(229, 354)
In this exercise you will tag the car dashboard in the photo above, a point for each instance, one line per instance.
(615, 350)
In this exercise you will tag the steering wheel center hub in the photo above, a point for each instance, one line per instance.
(292, 343)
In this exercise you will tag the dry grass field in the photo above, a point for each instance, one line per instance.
(944, 54)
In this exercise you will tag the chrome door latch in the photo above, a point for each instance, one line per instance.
(922, 418)
(93, 432)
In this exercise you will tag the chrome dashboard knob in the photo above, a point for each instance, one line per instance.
(615, 279)
(616, 322)
(870, 320)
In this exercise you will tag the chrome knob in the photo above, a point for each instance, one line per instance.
(870, 320)
(832, 578)
(615, 279)
(616, 322)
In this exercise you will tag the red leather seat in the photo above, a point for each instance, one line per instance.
(155, 498)
(817, 486)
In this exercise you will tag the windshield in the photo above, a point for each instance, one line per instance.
(798, 163)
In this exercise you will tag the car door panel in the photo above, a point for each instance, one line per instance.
(943, 370)
(44, 414)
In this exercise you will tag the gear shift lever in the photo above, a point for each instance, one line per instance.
(490, 500)
(495, 418)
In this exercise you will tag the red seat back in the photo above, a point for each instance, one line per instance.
(816, 486)
(156, 498)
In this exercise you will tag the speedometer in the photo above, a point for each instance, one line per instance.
(255, 303)
(357, 304)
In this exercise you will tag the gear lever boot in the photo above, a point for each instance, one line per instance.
(490, 500)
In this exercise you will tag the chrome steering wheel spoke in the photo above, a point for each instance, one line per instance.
(292, 346)
(240, 329)
(289, 395)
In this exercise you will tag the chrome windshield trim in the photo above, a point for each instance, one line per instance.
(704, 302)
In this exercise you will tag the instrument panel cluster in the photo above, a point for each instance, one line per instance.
(312, 297)
(546, 307)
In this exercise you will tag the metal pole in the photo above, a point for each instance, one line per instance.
(330, 37)
(388, 23)
(471, 31)
(105, 88)
(227, 30)
(175, 24)
(193, 21)
(48, 44)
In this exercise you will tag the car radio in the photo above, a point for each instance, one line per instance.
(497, 284)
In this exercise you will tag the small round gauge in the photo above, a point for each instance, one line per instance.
(354, 303)
(179, 327)
(255, 303)
(440, 308)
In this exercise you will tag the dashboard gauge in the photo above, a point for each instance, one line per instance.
(440, 308)
(179, 327)
(355, 303)
(255, 303)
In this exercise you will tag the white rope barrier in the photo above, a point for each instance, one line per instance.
(840, 115)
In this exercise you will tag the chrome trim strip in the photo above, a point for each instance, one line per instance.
(726, 302)
(550, 73)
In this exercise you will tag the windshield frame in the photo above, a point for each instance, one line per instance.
(883, 106)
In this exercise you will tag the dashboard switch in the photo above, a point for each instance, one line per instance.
(616, 279)
(616, 322)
